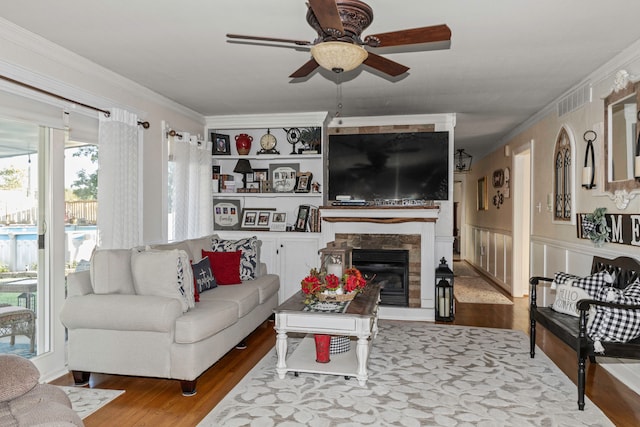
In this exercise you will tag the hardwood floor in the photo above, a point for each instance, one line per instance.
(158, 403)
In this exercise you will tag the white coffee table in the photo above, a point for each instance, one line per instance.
(360, 320)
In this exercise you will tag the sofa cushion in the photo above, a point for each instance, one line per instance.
(203, 276)
(180, 245)
(616, 324)
(111, 271)
(249, 247)
(225, 266)
(163, 273)
(267, 286)
(245, 297)
(19, 375)
(206, 319)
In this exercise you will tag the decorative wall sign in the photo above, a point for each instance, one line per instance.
(624, 228)
(226, 214)
(498, 178)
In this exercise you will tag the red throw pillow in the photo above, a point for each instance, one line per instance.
(225, 266)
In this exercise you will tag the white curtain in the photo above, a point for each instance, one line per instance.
(119, 180)
(192, 206)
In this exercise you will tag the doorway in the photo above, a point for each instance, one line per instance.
(521, 184)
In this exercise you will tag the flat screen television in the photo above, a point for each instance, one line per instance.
(389, 166)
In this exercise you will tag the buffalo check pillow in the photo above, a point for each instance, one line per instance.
(615, 324)
(591, 284)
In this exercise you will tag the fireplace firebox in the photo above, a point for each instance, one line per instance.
(389, 268)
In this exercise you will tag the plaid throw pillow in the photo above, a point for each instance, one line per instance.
(616, 324)
(591, 284)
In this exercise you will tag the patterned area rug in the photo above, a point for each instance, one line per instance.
(462, 268)
(421, 374)
(86, 401)
(476, 290)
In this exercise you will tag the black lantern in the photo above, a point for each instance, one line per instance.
(444, 292)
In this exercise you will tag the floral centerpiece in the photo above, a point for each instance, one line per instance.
(329, 287)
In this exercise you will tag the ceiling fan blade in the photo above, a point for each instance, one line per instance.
(306, 69)
(385, 65)
(268, 39)
(434, 33)
(326, 12)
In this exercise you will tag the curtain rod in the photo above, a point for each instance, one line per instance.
(107, 113)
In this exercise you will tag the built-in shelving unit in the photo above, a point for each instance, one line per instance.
(256, 126)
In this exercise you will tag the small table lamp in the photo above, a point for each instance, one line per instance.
(244, 167)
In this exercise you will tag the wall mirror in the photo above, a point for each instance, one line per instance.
(621, 136)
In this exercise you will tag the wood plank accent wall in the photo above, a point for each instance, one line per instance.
(382, 129)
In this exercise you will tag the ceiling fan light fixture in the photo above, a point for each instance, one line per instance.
(338, 56)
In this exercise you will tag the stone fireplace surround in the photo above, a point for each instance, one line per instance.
(393, 227)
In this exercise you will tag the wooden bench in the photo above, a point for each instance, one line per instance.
(573, 330)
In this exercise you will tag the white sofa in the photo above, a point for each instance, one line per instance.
(116, 331)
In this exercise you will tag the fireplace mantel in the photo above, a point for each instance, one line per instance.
(412, 220)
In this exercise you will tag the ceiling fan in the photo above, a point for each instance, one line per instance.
(338, 47)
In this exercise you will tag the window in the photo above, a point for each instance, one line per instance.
(563, 185)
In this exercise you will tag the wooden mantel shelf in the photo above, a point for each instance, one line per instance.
(380, 214)
(377, 220)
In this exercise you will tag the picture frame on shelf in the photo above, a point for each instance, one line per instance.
(221, 144)
(265, 186)
(278, 221)
(254, 186)
(302, 218)
(303, 182)
(260, 174)
(226, 214)
(283, 177)
(257, 219)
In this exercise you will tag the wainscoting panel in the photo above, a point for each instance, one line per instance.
(491, 251)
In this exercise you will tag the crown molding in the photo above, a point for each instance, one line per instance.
(36, 45)
(624, 60)
(248, 121)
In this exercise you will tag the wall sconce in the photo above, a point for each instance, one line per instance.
(462, 161)
(588, 172)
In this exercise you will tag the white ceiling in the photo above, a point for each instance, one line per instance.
(508, 58)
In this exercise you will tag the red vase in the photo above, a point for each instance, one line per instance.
(323, 343)
(243, 143)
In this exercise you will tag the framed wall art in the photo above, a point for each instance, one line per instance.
(226, 214)
(221, 144)
(283, 177)
(483, 203)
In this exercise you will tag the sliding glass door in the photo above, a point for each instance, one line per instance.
(20, 257)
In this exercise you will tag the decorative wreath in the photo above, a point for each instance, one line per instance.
(595, 226)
